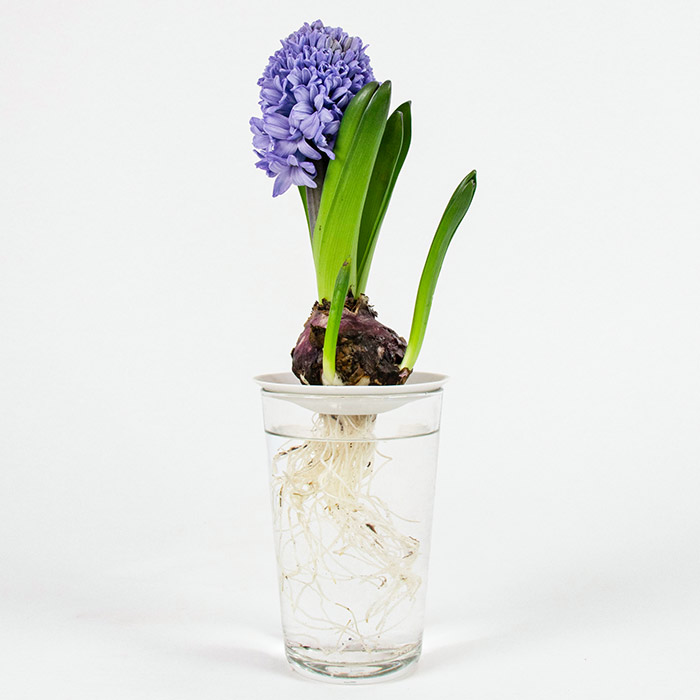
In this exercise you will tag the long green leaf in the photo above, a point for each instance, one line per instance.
(340, 212)
(390, 160)
(405, 110)
(335, 314)
(343, 143)
(454, 213)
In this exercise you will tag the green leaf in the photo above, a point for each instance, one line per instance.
(345, 189)
(343, 143)
(390, 159)
(454, 213)
(335, 314)
(405, 110)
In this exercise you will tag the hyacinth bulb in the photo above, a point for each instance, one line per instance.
(368, 352)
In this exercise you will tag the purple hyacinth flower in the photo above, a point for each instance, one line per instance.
(304, 91)
(290, 171)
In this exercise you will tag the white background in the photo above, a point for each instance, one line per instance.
(146, 275)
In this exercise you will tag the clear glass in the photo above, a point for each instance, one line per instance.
(352, 483)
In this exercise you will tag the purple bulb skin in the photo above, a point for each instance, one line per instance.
(368, 352)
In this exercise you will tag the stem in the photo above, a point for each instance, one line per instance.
(302, 192)
(313, 194)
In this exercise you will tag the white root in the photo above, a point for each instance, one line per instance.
(333, 531)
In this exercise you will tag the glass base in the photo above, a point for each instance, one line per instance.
(353, 665)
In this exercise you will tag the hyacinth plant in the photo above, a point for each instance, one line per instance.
(326, 129)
